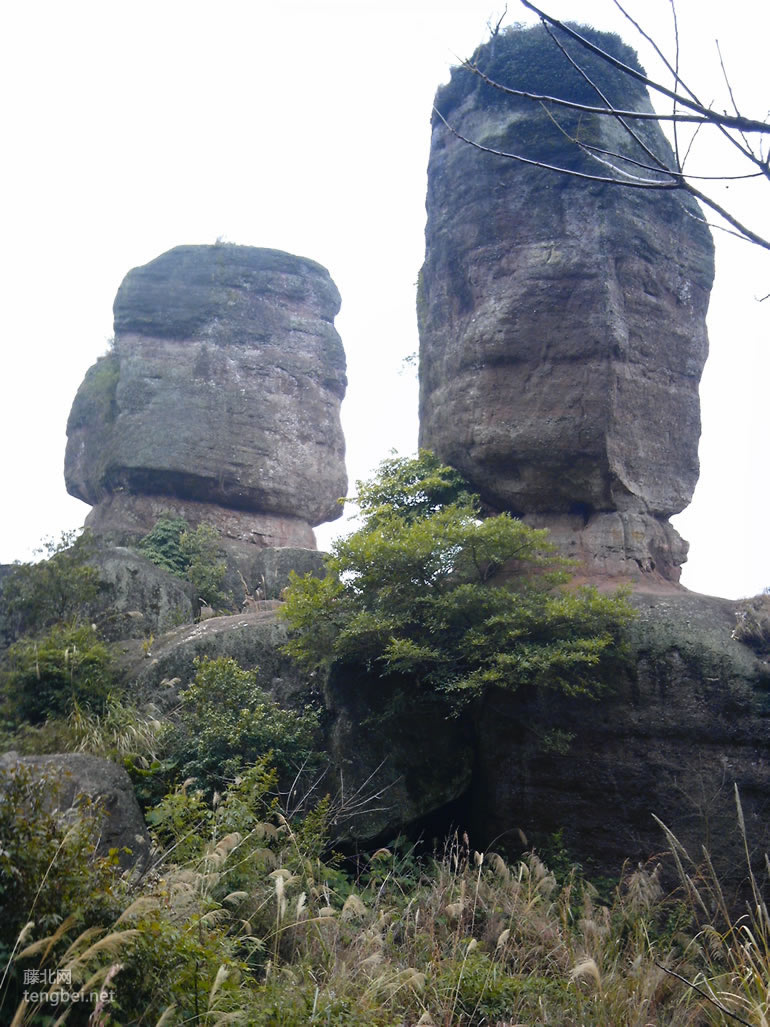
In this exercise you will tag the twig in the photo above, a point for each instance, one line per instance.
(642, 183)
(705, 994)
(724, 119)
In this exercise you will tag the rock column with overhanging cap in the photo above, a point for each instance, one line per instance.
(562, 321)
(219, 401)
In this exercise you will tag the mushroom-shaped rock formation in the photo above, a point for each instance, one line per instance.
(219, 400)
(562, 321)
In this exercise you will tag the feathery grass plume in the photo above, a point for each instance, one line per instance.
(257, 927)
(222, 974)
(587, 970)
(353, 908)
(166, 1015)
(44, 945)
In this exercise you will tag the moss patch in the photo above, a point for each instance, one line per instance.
(528, 59)
(95, 402)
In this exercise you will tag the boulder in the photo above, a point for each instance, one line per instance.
(271, 567)
(394, 767)
(222, 391)
(683, 722)
(137, 598)
(253, 639)
(562, 321)
(74, 776)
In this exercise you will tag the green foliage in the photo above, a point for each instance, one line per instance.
(243, 921)
(427, 590)
(95, 402)
(194, 555)
(411, 488)
(51, 674)
(227, 722)
(528, 59)
(56, 589)
(163, 545)
(48, 866)
(753, 627)
(206, 572)
(184, 817)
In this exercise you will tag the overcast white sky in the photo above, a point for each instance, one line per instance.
(129, 128)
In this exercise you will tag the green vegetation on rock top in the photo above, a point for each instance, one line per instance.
(428, 591)
(528, 59)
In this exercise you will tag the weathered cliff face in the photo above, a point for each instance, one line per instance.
(219, 400)
(562, 331)
(683, 722)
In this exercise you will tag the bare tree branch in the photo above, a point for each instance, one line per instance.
(715, 117)
(654, 172)
(642, 183)
(612, 112)
(586, 78)
(705, 994)
(746, 232)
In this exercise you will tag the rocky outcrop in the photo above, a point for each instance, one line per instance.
(218, 402)
(562, 322)
(137, 598)
(253, 639)
(399, 766)
(388, 768)
(77, 776)
(682, 723)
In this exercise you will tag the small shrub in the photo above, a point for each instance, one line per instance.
(753, 627)
(206, 572)
(163, 545)
(57, 589)
(227, 722)
(95, 401)
(194, 555)
(50, 675)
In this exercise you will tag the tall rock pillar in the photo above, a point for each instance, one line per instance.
(562, 321)
(219, 401)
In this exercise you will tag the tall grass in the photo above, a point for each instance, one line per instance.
(257, 927)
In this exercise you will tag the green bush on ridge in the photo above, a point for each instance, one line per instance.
(429, 592)
(57, 589)
(52, 674)
(227, 721)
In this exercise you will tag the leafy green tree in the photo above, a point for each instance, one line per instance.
(190, 554)
(205, 570)
(163, 545)
(58, 588)
(51, 674)
(227, 722)
(429, 591)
